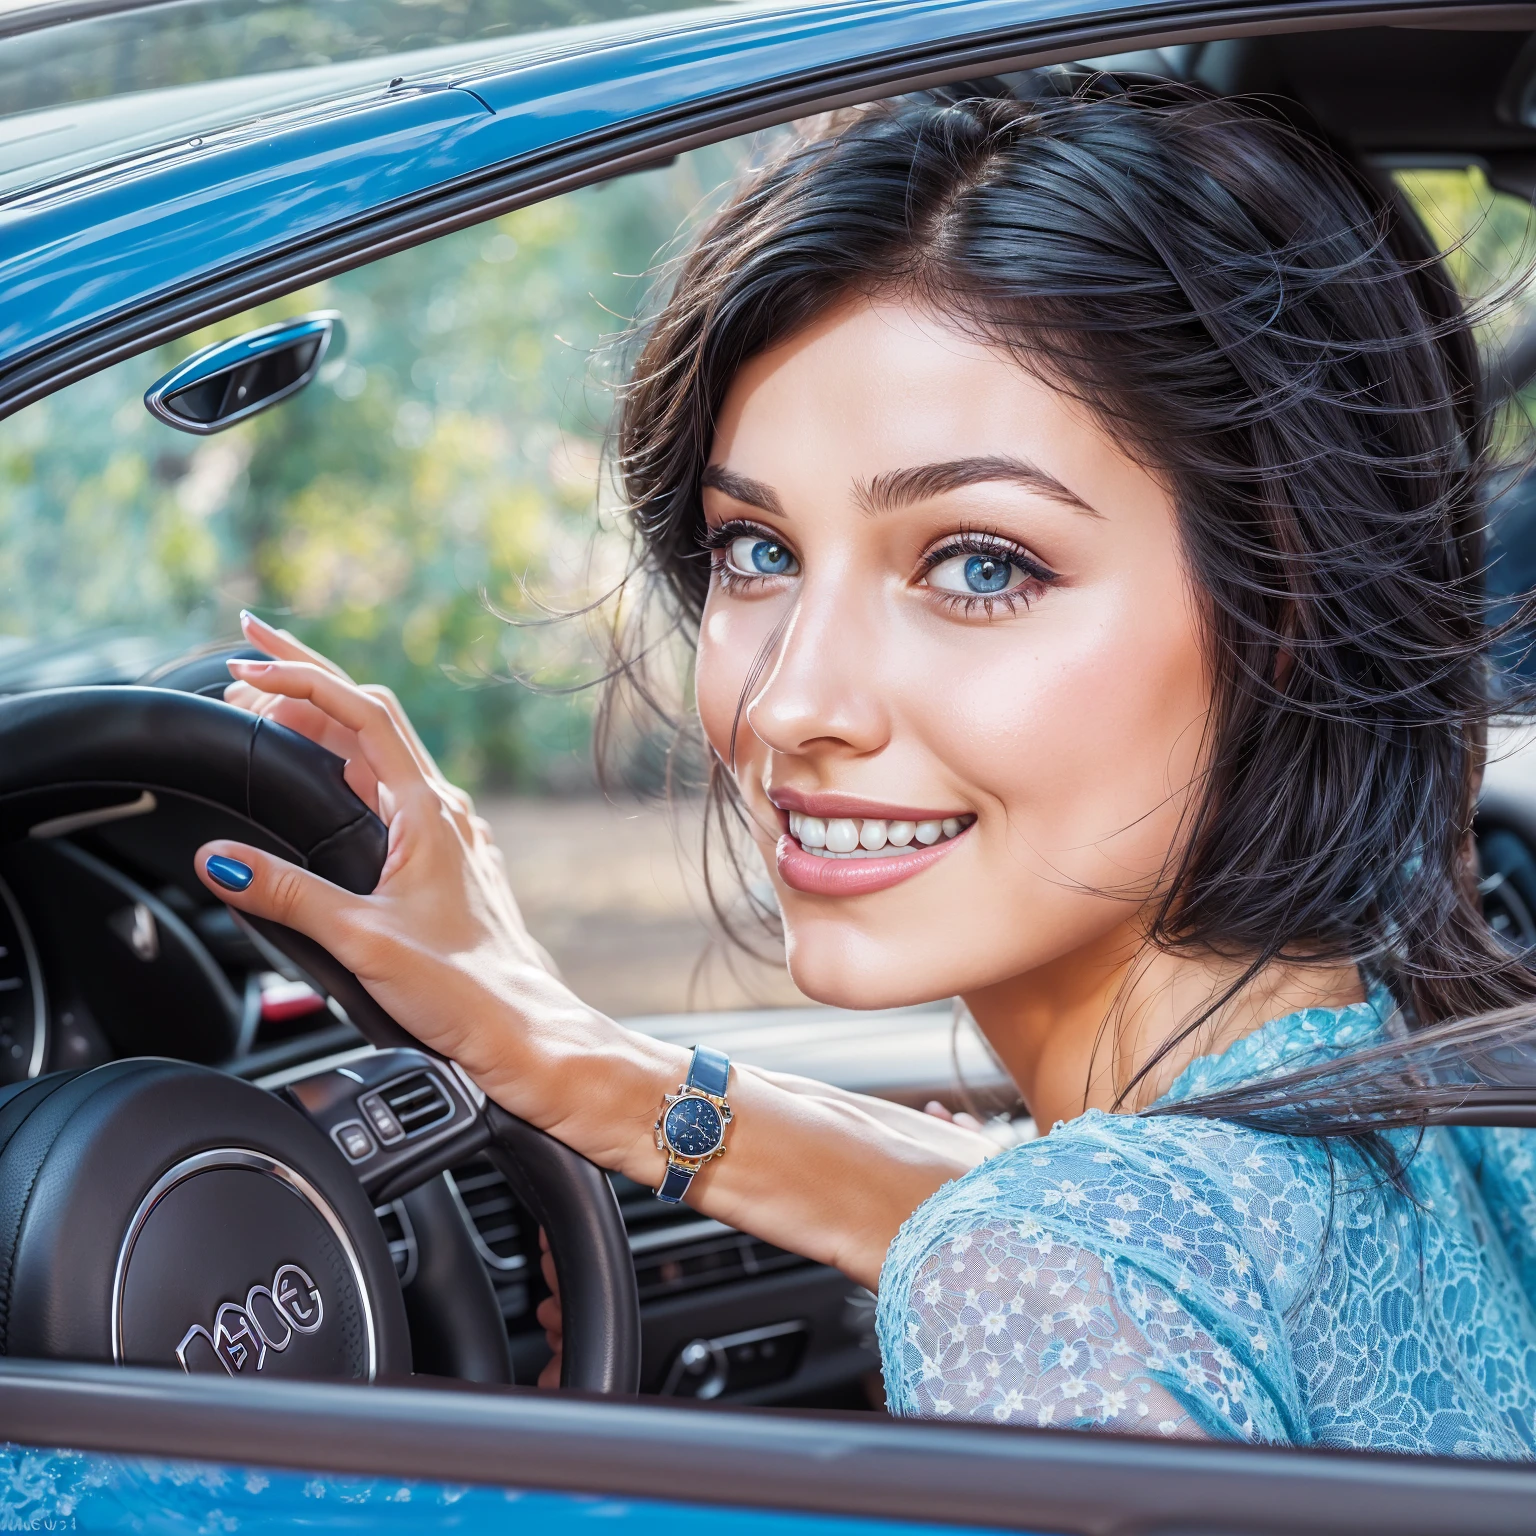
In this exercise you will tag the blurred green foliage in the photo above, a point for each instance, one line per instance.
(442, 471)
(1486, 235)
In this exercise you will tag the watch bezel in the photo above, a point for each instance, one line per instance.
(664, 1141)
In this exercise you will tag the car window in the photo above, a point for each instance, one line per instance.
(1489, 239)
(419, 513)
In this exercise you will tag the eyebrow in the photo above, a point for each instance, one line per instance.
(901, 487)
(742, 488)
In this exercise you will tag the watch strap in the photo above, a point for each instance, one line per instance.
(675, 1185)
(709, 1071)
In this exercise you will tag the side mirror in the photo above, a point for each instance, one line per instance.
(232, 380)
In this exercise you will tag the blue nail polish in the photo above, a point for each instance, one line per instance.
(230, 873)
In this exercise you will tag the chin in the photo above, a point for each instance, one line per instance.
(846, 969)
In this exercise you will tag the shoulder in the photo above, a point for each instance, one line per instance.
(1174, 1227)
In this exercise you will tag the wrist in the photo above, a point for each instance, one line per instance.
(587, 1081)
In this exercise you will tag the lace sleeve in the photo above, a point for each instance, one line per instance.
(1016, 1326)
(1121, 1275)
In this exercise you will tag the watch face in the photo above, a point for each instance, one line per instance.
(693, 1127)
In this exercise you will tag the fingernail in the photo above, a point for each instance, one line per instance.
(230, 873)
(248, 666)
(247, 617)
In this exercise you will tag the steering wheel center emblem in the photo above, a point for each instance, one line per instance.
(271, 1315)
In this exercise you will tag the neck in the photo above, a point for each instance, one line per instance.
(1075, 1033)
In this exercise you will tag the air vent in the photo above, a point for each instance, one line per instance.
(418, 1102)
(495, 1217)
(401, 1237)
(677, 1250)
(716, 1259)
(505, 1238)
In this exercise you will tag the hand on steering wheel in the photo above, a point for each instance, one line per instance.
(439, 943)
(310, 719)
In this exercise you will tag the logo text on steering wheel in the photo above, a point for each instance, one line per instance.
(243, 1333)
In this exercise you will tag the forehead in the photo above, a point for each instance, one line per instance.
(880, 377)
(875, 386)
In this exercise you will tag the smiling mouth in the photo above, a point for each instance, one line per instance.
(842, 837)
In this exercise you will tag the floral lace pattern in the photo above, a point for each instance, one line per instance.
(1192, 1278)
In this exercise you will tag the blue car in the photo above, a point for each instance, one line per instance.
(264, 1261)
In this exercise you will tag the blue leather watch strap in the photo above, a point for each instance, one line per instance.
(675, 1185)
(709, 1071)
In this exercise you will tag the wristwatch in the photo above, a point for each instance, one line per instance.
(691, 1126)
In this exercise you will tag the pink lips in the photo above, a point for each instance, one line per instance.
(802, 871)
(829, 805)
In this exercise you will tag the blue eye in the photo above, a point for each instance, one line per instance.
(983, 573)
(977, 575)
(753, 555)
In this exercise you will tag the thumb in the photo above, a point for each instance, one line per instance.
(264, 886)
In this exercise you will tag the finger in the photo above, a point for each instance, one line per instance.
(283, 645)
(550, 1319)
(297, 715)
(550, 1375)
(379, 740)
(968, 1122)
(263, 886)
(386, 697)
(551, 1279)
(937, 1110)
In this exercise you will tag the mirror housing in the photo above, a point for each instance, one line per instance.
(230, 381)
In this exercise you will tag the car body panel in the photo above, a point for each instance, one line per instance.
(76, 255)
(52, 1489)
(844, 1464)
(295, 174)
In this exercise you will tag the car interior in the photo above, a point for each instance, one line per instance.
(111, 949)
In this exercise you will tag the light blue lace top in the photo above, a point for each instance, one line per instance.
(1192, 1278)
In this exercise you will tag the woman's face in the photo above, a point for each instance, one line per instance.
(969, 654)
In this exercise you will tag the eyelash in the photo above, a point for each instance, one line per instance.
(718, 538)
(981, 541)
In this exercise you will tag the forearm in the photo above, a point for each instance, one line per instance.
(825, 1173)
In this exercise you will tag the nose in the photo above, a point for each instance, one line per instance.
(822, 692)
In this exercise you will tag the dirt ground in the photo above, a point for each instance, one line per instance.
(615, 893)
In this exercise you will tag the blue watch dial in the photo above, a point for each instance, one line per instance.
(693, 1127)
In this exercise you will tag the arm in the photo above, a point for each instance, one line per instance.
(441, 945)
(1011, 1325)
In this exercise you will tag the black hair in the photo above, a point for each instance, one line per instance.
(1269, 331)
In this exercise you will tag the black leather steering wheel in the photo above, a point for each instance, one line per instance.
(148, 1203)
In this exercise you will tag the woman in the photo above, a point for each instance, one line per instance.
(1078, 508)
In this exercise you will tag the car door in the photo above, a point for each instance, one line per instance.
(431, 189)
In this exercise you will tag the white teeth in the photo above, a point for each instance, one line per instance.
(842, 835)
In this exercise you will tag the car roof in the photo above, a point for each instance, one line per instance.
(134, 212)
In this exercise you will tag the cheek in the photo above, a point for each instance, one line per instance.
(731, 635)
(1085, 732)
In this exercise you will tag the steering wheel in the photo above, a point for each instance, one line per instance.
(153, 1212)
